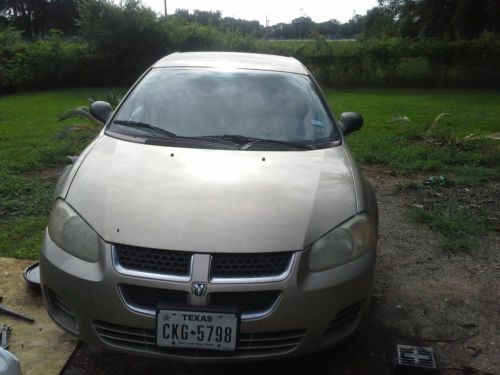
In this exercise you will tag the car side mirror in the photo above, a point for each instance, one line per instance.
(101, 111)
(350, 122)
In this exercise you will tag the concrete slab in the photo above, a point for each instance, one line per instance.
(42, 347)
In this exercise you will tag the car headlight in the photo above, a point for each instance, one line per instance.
(343, 244)
(71, 233)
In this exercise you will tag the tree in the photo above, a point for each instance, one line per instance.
(435, 18)
(466, 19)
(242, 26)
(379, 22)
(183, 15)
(36, 17)
(469, 18)
(281, 31)
(126, 38)
(23, 14)
(207, 17)
(492, 21)
(353, 28)
(328, 29)
(302, 27)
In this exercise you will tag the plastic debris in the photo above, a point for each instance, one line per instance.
(439, 181)
(9, 364)
(399, 119)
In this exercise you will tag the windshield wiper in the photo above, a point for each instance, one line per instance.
(152, 129)
(145, 126)
(249, 140)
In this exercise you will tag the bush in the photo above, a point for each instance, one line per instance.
(398, 62)
(120, 42)
(47, 63)
(10, 45)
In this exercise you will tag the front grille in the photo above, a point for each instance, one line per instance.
(148, 298)
(172, 264)
(249, 345)
(164, 262)
(246, 302)
(343, 323)
(249, 265)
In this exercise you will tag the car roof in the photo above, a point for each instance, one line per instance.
(232, 60)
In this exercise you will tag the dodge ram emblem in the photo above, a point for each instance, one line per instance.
(199, 288)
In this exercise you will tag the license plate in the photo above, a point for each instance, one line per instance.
(197, 330)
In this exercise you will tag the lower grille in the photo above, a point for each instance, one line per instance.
(343, 323)
(61, 312)
(248, 303)
(148, 298)
(249, 345)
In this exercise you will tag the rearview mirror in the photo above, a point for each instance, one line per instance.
(350, 122)
(101, 111)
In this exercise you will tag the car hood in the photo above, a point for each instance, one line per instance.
(212, 200)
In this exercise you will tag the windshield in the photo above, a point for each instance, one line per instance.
(203, 102)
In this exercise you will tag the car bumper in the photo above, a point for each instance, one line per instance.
(314, 309)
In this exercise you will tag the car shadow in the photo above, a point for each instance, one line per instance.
(369, 351)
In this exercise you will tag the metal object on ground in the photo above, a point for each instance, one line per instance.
(5, 310)
(32, 275)
(416, 360)
(9, 364)
(4, 336)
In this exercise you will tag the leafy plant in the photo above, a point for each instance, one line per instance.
(91, 124)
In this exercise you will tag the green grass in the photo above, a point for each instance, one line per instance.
(29, 127)
(457, 226)
(455, 146)
(29, 143)
(21, 237)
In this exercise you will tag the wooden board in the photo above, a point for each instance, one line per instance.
(41, 347)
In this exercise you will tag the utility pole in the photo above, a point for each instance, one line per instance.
(300, 22)
(267, 26)
(165, 5)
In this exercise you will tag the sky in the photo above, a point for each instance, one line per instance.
(276, 10)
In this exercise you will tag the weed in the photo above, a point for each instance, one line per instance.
(457, 225)
(450, 221)
(456, 245)
(405, 186)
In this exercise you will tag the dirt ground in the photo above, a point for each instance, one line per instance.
(422, 296)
